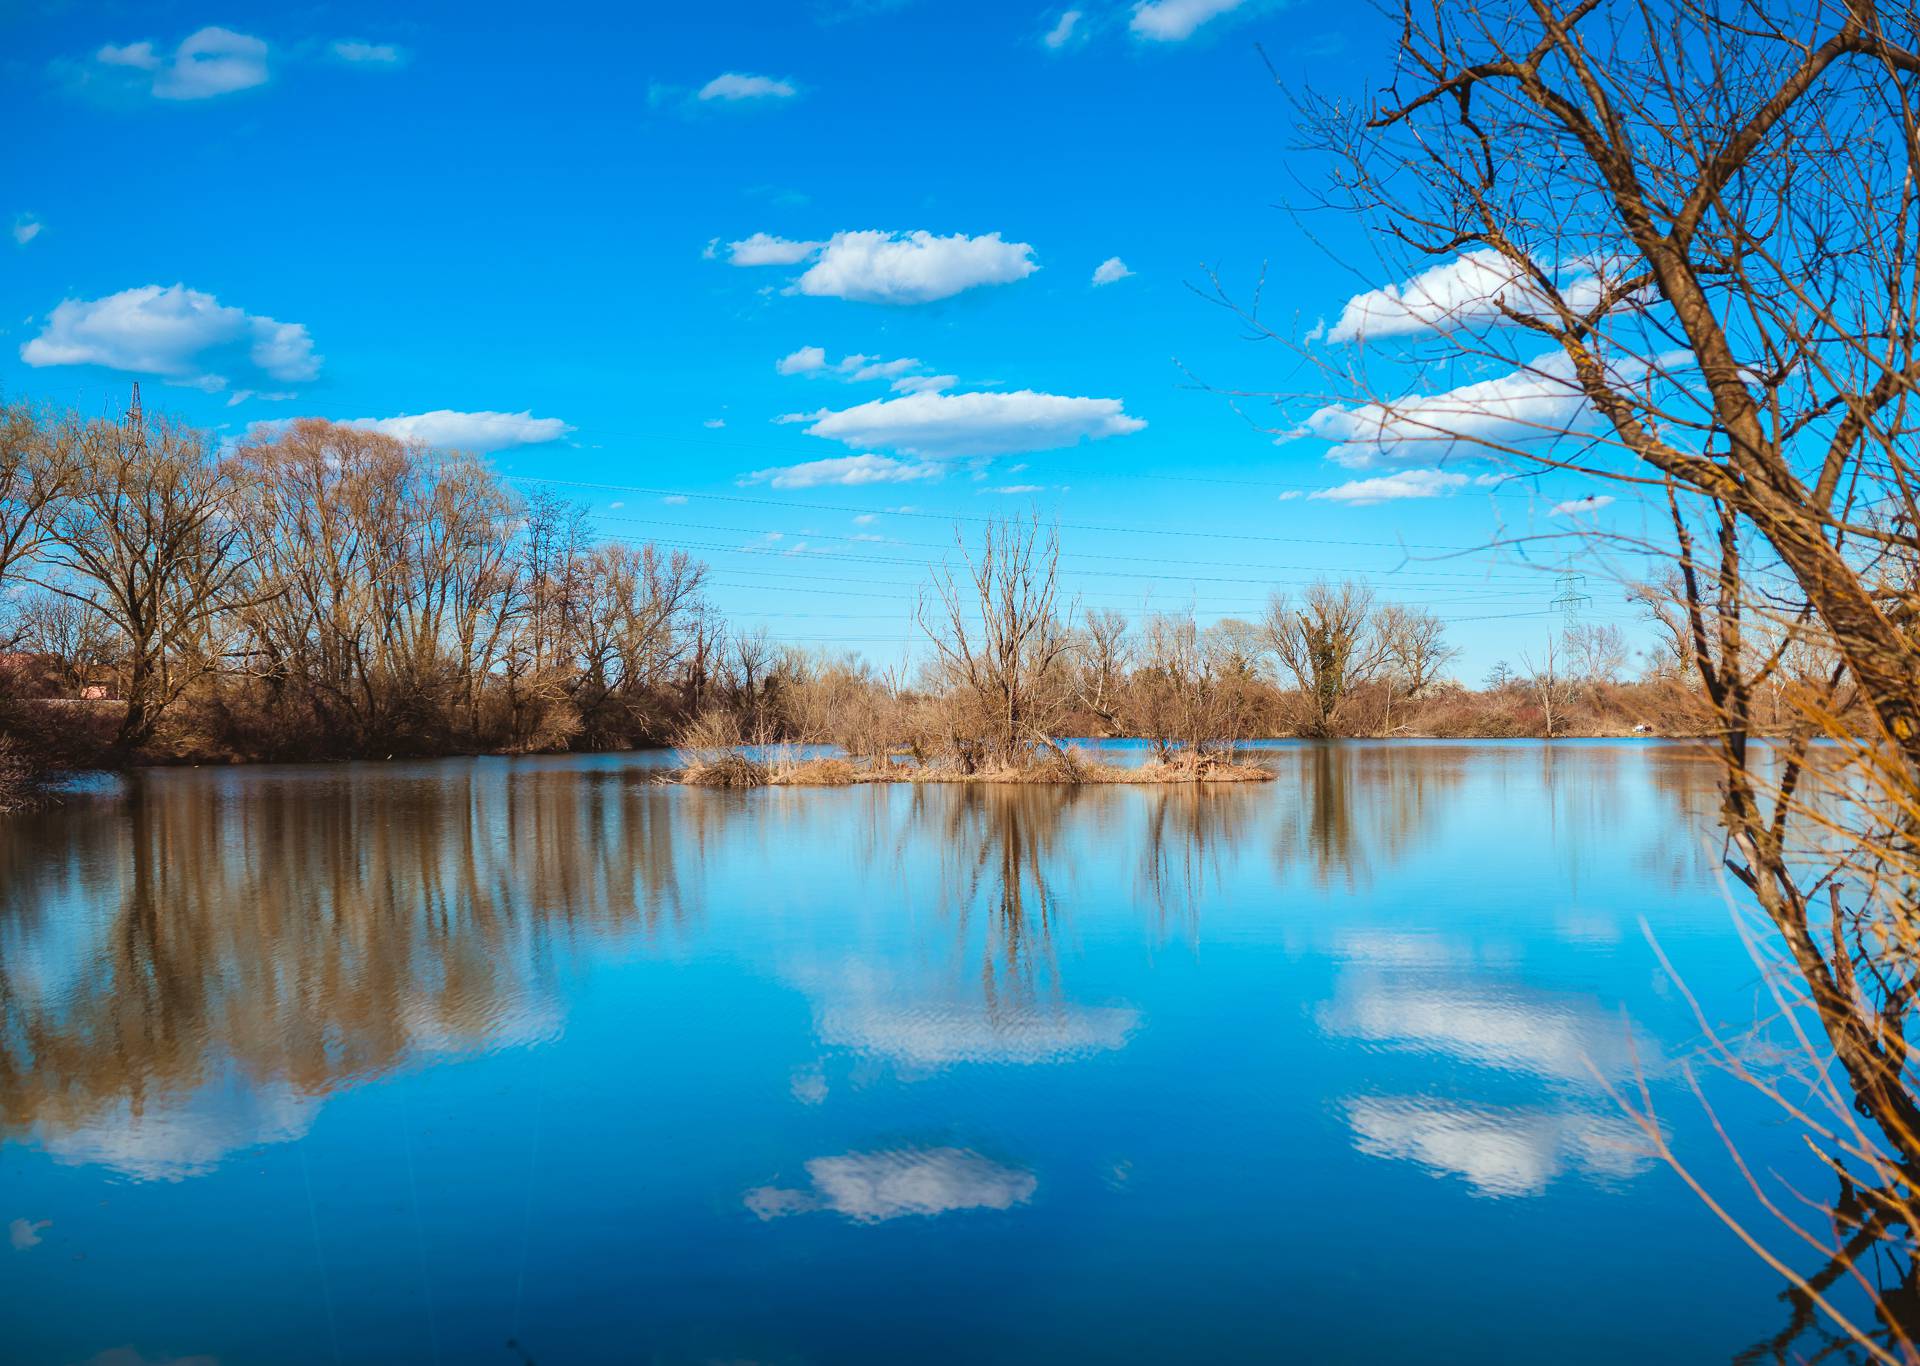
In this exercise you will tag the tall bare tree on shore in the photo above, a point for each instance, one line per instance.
(36, 469)
(148, 531)
(1685, 239)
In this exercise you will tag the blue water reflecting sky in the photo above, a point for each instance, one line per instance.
(538, 1061)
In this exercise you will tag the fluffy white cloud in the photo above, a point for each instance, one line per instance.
(480, 432)
(855, 369)
(1109, 270)
(1173, 21)
(802, 362)
(1062, 33)
(936, 426)
(888, 267)
(25, 228)
(1468, 291)
(373, 54)
(175, 332)
(762, 249)
(871, 1187)
(1538, 402)
(845, 470)
(1388, 487)
(913, 268)
(214, 61)
(1573, 507)
(736, 85)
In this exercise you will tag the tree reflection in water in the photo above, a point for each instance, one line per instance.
(290, 935)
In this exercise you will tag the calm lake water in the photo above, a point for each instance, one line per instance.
(533, 1061)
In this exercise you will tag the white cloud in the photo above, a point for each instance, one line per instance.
(214, 61)
(761, 249)
(1537, 402)
(1573, 507)
(24, 1233)
(871, 1187)
(1388, 487)
(1062, 33)
(844, 470)
(1468, 291)
(139, 56)
(861, 368)
(714, 423)
(924, 384)
(913, 268)
(888, 267)
(25, 228)
(854, 369)
(373, 54)
(675, 499)
(1110, 270)
(178, 333)
(936, 425)
(736, 85)
(802, 362)
(480, 432)
(1173, 21)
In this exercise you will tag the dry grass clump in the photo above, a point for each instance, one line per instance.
(824, 773)
(724, 770)
(1051, 768)
(1189, 766)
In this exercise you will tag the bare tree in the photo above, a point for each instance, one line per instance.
(1330, 645)
(1103, 657)
(1000, 641)
(1416, 647)
(1595, 654)
(148, 535)
(1548, 680)
(37, 467)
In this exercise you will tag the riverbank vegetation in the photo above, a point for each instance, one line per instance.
(322, 591)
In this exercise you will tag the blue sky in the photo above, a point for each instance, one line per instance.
(516, 227)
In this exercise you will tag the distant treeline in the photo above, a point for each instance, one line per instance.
(325, 591)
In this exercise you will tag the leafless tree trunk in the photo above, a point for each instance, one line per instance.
(148, 534)
(1000, 641)
(1330, 645)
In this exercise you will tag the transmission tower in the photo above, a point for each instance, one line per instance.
(136, 421)
(1568, 600)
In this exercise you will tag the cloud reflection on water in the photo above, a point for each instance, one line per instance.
(870, 1188)
(1497, 1151)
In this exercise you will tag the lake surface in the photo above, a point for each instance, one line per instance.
(535, 1061)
